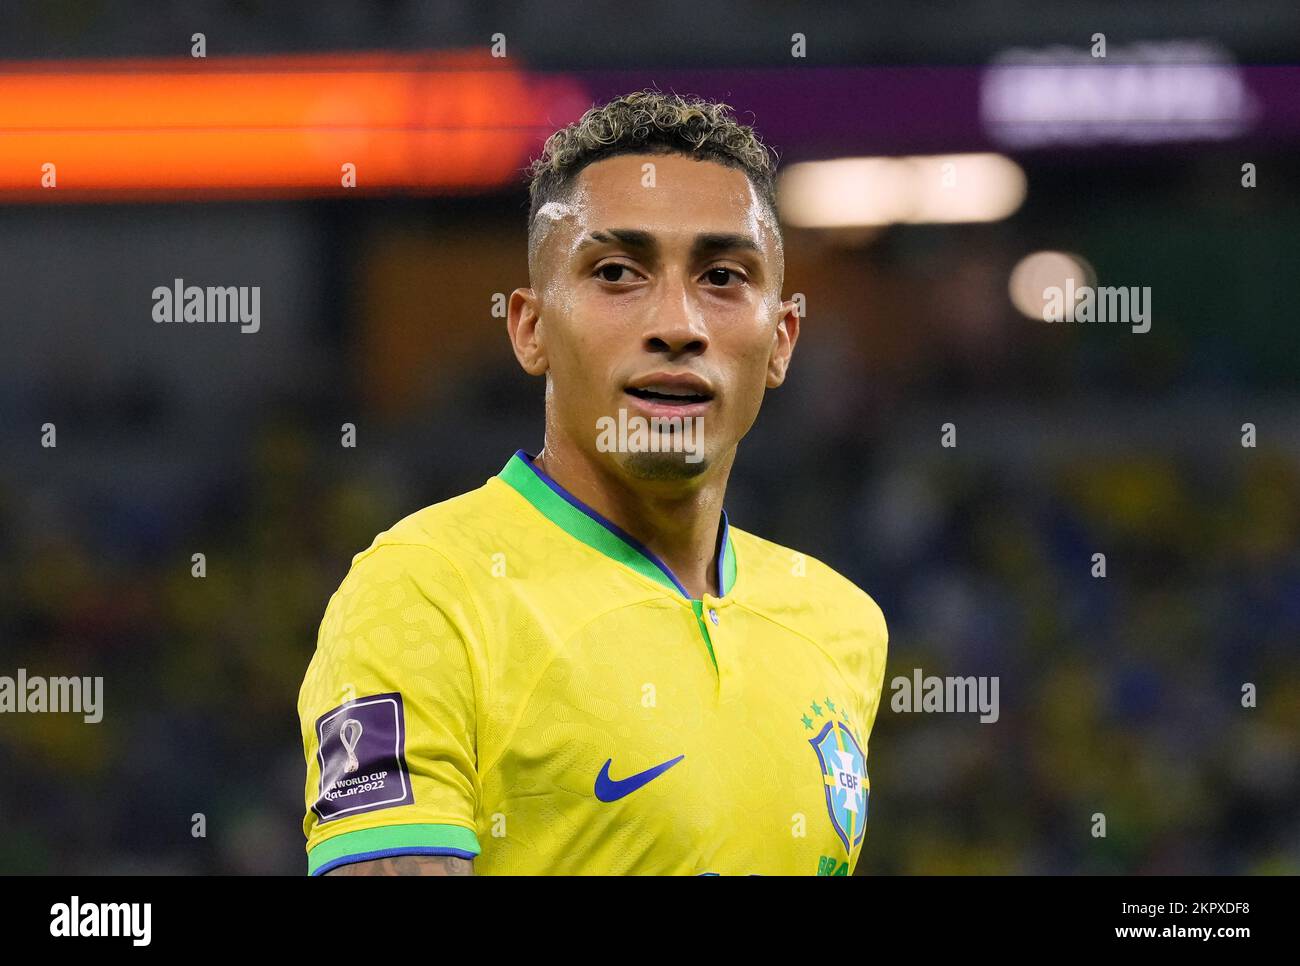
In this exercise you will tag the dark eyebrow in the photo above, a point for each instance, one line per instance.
(633, 238)
(712, 244)
(709, 243)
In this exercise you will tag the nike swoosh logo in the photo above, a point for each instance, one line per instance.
(611, 790)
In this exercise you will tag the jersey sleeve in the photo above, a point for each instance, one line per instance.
(874, 667)
(872, 677)
(388, 713)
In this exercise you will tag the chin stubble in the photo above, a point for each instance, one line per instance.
(663, 466)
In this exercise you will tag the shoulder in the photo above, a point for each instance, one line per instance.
(451, 539)
(427, 560)
(453, 528)
(798, 590)
(793, 578)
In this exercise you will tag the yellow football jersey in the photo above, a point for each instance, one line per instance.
(510, 677)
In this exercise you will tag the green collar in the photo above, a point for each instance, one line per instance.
(583, 523)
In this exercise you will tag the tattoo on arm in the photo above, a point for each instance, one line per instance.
(408, 865)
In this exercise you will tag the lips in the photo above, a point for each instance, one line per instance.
(676, 391)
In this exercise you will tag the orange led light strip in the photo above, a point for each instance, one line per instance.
(275, 126)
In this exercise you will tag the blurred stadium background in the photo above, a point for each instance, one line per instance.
(1119, 695)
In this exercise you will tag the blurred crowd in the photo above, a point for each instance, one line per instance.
(1120, 696)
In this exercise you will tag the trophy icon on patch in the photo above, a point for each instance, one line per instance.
(350, 734)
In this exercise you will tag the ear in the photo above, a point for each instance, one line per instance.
(523, 323)
(783, 340)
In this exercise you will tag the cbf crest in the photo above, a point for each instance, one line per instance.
(844, 773)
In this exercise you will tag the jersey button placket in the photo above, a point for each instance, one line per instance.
(715, 622)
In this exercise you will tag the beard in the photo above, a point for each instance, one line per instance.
(663, 466)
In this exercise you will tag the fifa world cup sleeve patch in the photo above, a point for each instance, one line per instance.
(361, 748)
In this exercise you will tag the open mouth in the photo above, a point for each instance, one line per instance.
(679, 397)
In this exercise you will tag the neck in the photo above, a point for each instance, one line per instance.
(679, 521)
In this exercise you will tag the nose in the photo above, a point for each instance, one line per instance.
(676, 326)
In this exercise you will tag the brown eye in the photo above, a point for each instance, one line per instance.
(611, 267)
(720, 276)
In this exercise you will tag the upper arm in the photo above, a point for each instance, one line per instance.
(877, 654)
(388, 711)
(408, 865)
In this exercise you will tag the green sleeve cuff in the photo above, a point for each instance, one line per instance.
(389, 840)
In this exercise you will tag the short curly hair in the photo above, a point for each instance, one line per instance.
(650, 122)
